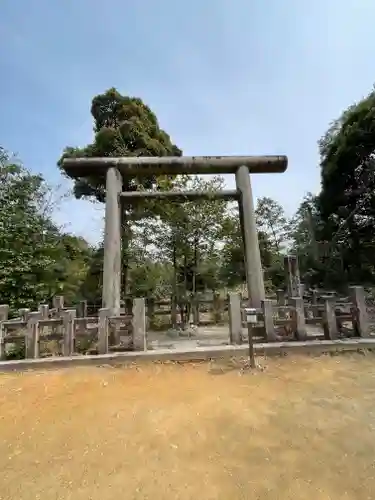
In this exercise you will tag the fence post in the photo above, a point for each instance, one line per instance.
(139, 325)
(174, 311)
(217, 308)
(281, 303)
(24, 314)
(128, 306)
(359, 311)
(298, 315)
(269, 325)
(314, 303)
(196, 310)
(69, 331)
(2, 345)
(4, 312)
(58, 302)
(103, 330)
(235, 318)
(82, 309)
(150, 302)
(32, 336)
(43, 310)
(329, 319)
(280, 294)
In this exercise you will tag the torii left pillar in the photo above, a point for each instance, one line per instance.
(112, 242)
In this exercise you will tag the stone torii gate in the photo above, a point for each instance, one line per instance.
(114, 169)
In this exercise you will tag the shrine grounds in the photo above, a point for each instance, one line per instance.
(300, 427)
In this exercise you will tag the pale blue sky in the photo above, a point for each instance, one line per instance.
(223, 77)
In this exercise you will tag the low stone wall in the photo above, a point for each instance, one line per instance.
(73, 332)
(58, 331)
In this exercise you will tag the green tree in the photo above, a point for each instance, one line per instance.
(30, 250)
(274, 230)
(233, 268)
(75, 260)
(272, 221)
(305, 233)
(92, 284)
(186, 232)
(182, 242)
(347, 200)
(123, 126)
(200, 229)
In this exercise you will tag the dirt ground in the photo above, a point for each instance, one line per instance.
(304, 428)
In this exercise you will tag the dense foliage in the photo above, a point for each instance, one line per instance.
(123, 126)
(347, 199)
(37, 260)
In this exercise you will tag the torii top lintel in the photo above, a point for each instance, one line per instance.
(135, 166)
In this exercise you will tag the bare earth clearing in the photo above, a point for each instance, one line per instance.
(302, 429)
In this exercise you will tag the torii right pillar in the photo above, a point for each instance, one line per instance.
(253, 264)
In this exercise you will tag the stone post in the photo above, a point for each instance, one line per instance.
(253, 265)
(235, 318)
(280, 297)
(58, 303)
(281, 303)
(292, 275)
(139, 325)
(329, 319)
(4, 312)
(24, 314)
(32, 336)
(43, 310)
(269, 325)
(359, 311)
(112, 243)
(314, 303)
(299, 317)
(150, 303)
(68, 318)
(217, 308)
(82, 309)
(103, 331)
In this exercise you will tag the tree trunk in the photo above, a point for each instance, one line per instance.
(194, 304)
(275, 239)
(125, 237)
(184, 305)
